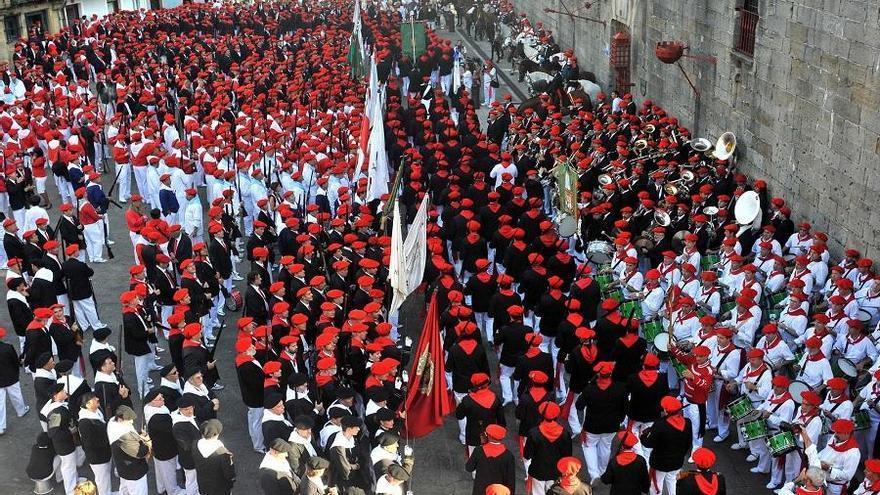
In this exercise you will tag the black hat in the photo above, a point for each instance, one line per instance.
(151, 395)
(303, 422)
(271, 400)
(297, 380)
(186, 401)
(100, 356)
(190, 371)
(377, 394)
(388, 438)
(101, 333)
(279, 445)
(398, 472)
(338, 412)
(384, 414)
(43, 440)
(318, 463)
(350, 422)
(344, 393)
(125, 412)
(55, 388)
(64, 366)
(211, 428)
(42, 359)
(166, 369)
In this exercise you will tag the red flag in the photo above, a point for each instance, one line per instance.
(427, 401)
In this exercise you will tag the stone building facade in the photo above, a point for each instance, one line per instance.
(797, 81)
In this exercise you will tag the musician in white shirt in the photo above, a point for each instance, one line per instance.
(690, 253)
(754, 381)
(767, 235)
(809, 420)
(725, 359)
(631, 280)
(690, 284)
(744, 320)
(655, 297)
(670, 275)
(855, 346)
(776, 351)
(836, 405)
(867, 400)
(801, 272)
(817, 267)
(778, 408)
(840, 459)
(800, 241)
(709, 295)
(814, 368)
(869, 301)
(871, 484)
(775, 281)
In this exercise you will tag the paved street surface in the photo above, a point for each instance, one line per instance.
(439, 467)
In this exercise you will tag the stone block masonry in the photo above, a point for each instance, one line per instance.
(805, 107)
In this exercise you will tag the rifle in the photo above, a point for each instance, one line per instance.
(216, 343)
(119, 352)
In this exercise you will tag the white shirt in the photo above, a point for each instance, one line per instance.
(652, 303)
(763, 382)
(779, 413)
(843, 464)
(500, 169)
(814, 373)
(775, 353)
(726, 362)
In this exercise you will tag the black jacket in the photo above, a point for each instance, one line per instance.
(135, 333)
(687, 483)
(220, 258)
(130, 456)
(20, 312)
(255, 305)
(79, 278)
(644, 400)
(60, 421)
(9, 365)
(215, 473)
(250, 382)
(545, 452)
(478, 417)
(487, 470)
(670, 445)
(160, 430)
(93, 435)
(627, 479)
(185, 435)
(276, 483)
(605, 408)
(13, 245)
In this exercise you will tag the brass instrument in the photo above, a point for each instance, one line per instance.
(650, 128)
(681, 185)
(662, 218)
(725, 146)
(641, 144)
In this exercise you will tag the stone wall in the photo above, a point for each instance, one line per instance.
(805, 109)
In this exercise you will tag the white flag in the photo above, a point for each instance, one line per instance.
(377, 171)
(408, 257)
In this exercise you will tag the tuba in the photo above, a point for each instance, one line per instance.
(725, 146)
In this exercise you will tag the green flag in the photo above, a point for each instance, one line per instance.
(355, 50)
(412, 34)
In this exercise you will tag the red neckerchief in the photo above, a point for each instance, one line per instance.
(62, 322)
(484, 277)
(681, 318)
(242, 359)
(776, 272)
(707, 483)
(798, 312)
(840, 399)
(850, 443)
(804, 419)
(322, 380)
(776, 400)
(175, 331)
(816, 357)
(473, 238)
(551, 430)
(625, 458)
(629, 340)
(372, 381)
(493, 449)
(664, 269)
(614, 317)
(630, 275)
(776, 342)
(484, 397)
(744, 316)
(270, 382)
(533, 351)
(468, 346)
(705, 336)
(538, 394)
(851, 341)
(712, 290)
(648, 377)
(603, 382)
(676, 421)
(873, 487)
(506, 292)
(540, 270)
(803, 272)
(589, 352)
(575, 319)
(584, 283)
(752, 373)
(806, 491)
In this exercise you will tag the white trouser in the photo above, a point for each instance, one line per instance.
(692, 412)
(777, 469)
(4, 203)
(712, 411)
(759, 448)
(68, 471)
(166, 476)
(548, 344)
(561, 385)
(508, 385)
(123, 183)
(103, 477)
(792, 465)
(63, 299)
(540, 487)
(94, 234)
(14, 393)
(135, 238)
(140, 177)
(597, 450)
(661, 480)
(255, 427)
(86, 314)
(637, 428)
(142, 365)
(19, 216)
(192, 482)
(134, 487)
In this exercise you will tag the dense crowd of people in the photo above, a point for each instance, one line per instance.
(622, 341)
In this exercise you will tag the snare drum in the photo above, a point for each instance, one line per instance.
(651, 329)
(754, 430)
(773, 300)
(861, 420)
(845, 368)
(603, 281)
(615, 294)
(781, 443)
(741, 408)
(728, 307)
(599, 252)
(633, 308)
(661, 342)
(773, 315)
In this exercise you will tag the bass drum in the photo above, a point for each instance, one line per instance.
(234, 302)
(566, 225)
(599, 252)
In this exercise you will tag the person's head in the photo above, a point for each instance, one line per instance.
(254, 278)
(279, 448)
(196, 379)
(90, 401)
(186, 406)
(814, 477)
(85, 487)
(125, 414)
(351, 426)
(316, 466)
(390, 441)
(211, 429)
(108, 365)
(302, 426)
